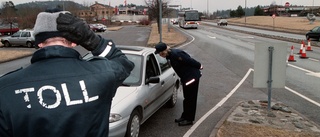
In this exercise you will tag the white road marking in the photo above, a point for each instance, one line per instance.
(189, 132)
(302, 96)
(211, 37)
(314, 74)
(314, 59)
(308, 71)
(187, 42)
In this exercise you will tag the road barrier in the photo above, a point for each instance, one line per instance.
(291, 57)
(301, 47)
(304, 54)
(309, 46)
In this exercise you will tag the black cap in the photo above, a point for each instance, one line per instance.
(160, 47)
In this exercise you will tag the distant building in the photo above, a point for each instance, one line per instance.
(101, 12)
(97, 12)
(291, 10)
(134, 10)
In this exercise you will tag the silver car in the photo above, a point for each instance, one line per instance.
(152, 84)
(22, 37)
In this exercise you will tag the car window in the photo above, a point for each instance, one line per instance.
(314, 29)
(163, 63)
(135, 75)
(24, 34)
(150, 71)
(152, 68)
(17, 34)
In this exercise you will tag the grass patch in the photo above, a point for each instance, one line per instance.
(11, 54)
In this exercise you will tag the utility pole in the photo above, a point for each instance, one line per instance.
(312, 6)
(208, 9)
(245, 12)
(160, 19)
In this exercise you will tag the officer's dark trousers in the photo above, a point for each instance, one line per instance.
(190, 94)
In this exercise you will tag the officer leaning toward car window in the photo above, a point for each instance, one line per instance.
(60, 94)
(188, 69)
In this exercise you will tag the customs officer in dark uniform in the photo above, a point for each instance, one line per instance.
(60, 94)
(188, 69)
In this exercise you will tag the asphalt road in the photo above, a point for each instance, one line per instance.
(228, 59)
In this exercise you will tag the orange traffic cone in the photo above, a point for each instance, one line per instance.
(309, 46)
(301, 47)
(304, 54)
(291, 57)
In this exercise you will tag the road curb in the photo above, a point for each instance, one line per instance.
(313, 127)
(218, 125)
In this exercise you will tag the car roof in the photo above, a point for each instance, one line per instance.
(26, 30)
(138, 50)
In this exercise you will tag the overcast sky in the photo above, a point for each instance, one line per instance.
(200, 5)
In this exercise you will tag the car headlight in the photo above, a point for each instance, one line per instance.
(114, 117)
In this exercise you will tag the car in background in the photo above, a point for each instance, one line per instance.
(222, 22)
(314, 33)
(20, 38)
(98, 27)
(174, 21)
(152, 83)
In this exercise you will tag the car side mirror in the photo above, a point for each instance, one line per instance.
(153, 80)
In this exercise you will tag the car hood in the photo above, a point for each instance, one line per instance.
(5, 37)
(121, 94)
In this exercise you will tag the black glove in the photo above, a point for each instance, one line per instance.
(77, 31)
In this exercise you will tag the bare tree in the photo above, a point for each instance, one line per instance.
(154, 11)
(27, 17)
(8, 12)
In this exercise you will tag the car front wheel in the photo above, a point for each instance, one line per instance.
(173, 100)
(7, 44)
(29, 45)
(307, 36)
(133, 126)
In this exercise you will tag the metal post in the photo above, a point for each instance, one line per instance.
(168, 18)
(160, 19)
(273, 23)
(270, 77)
(208, 9)
(245, 12)
(312, 6)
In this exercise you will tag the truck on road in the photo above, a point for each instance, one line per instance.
(8, 29)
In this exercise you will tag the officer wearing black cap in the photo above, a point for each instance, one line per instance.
(60, 94)
(188, 69)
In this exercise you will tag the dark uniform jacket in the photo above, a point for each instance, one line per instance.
(62, 95)
(186, 67)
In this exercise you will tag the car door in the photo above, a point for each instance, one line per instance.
(154, 89)
(168, 76)
(14, 39)
(315, 32)
(23, 38)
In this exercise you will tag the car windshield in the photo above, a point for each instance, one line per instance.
(192, 16)
(134, 78)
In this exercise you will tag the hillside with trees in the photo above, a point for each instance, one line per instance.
(25, 14)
